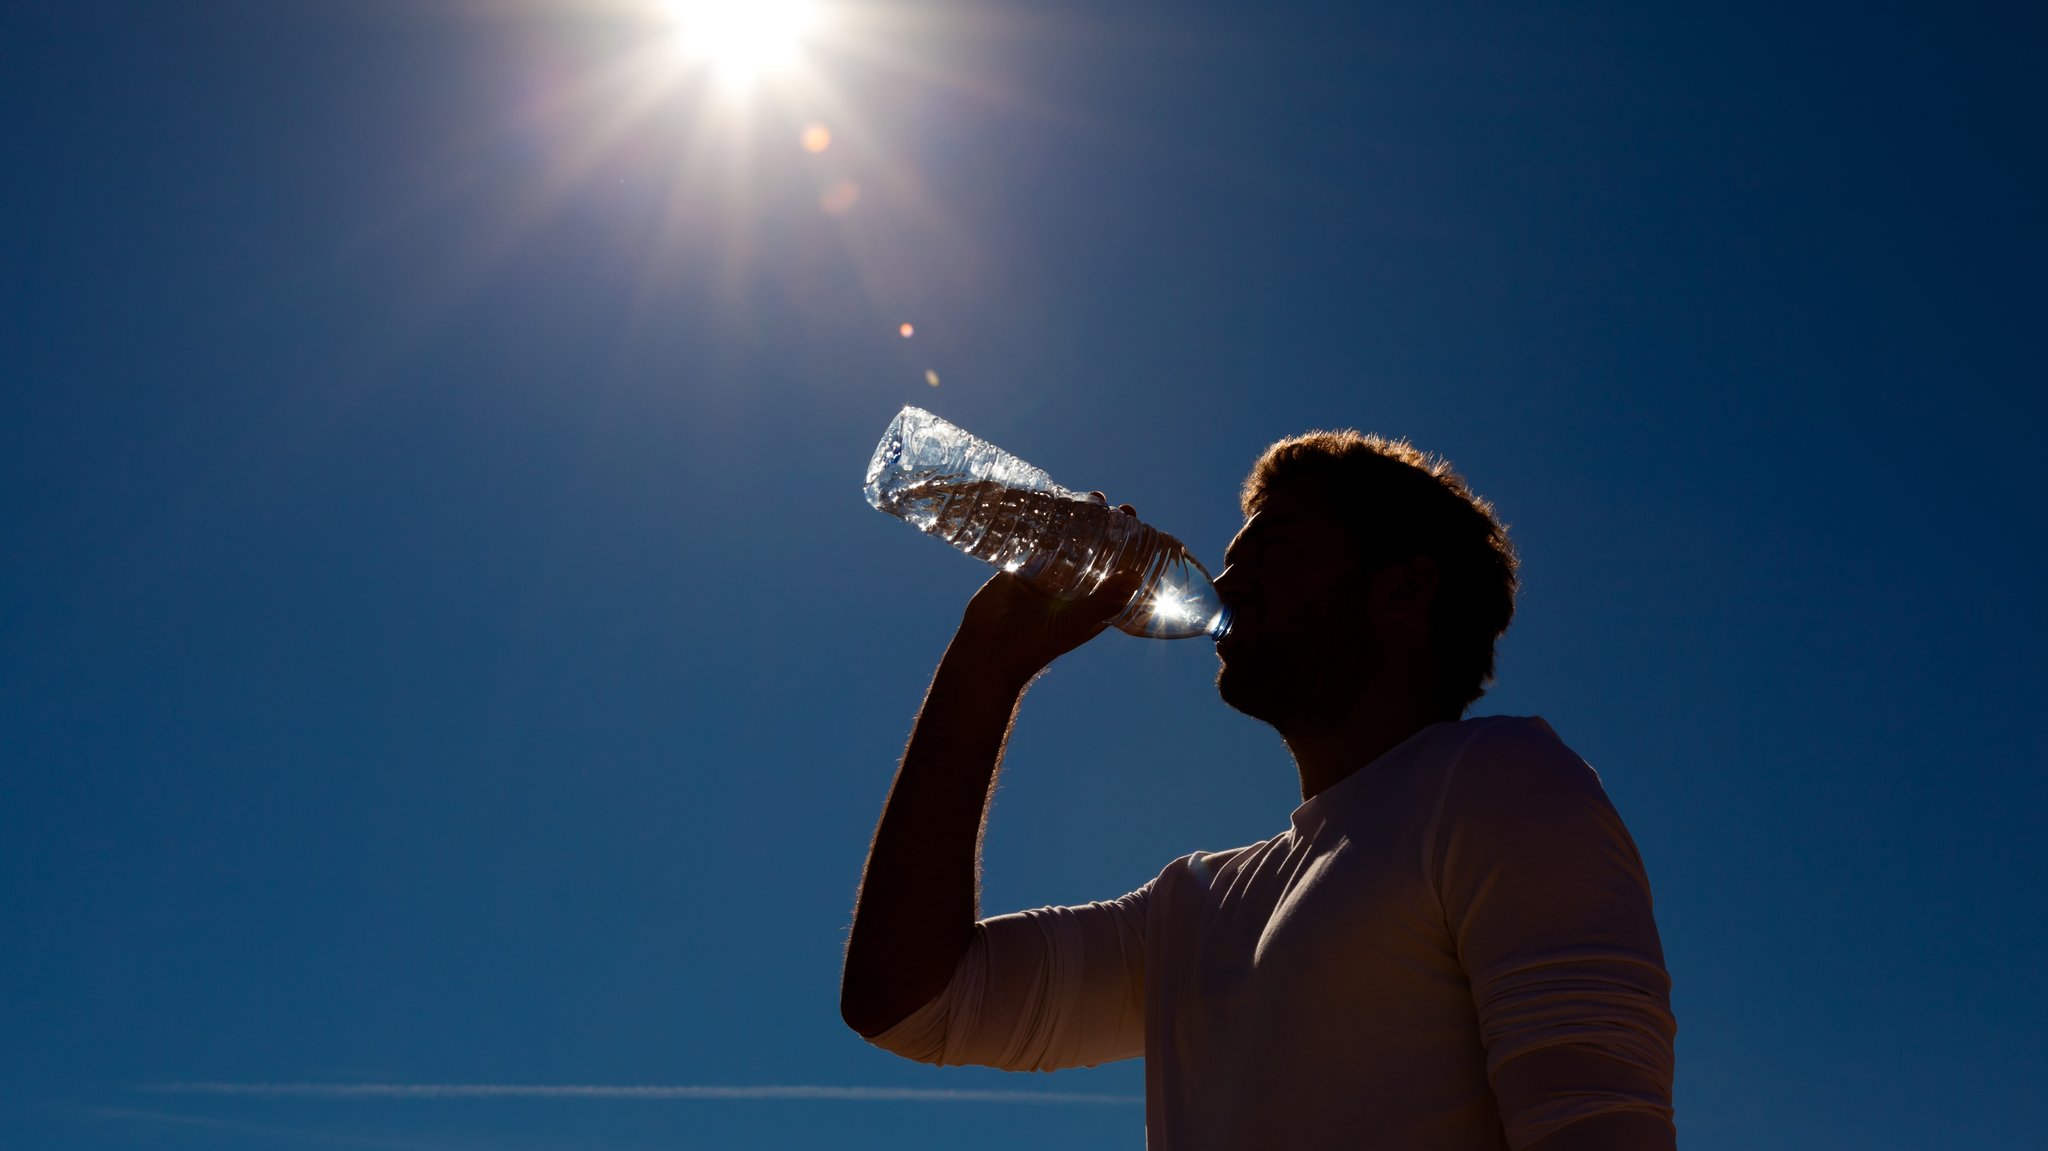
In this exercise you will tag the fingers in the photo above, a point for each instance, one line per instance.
(1016, 627)
(1109, 598)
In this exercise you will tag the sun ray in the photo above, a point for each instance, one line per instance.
(689, 98)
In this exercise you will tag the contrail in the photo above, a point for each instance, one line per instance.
(600, 1091)
(270, 1131)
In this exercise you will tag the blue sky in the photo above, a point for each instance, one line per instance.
(442, 641)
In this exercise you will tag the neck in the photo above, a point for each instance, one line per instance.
(1382, 718)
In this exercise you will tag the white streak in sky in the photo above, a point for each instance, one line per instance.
(598, 1091)
(270, 1132)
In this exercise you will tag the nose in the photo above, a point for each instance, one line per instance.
(1233, 587)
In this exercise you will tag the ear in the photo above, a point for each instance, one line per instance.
(1405, 591)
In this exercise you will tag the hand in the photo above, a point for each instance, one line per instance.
(1021, 629)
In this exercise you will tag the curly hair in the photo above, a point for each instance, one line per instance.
(1399, 502)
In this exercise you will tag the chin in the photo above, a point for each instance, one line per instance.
(1288, 688)
(1240, 690)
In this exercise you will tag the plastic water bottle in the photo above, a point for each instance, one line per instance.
(994, 506)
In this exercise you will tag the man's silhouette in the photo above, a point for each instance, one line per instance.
(1451, 945)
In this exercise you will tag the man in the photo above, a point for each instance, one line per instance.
(1451, 946)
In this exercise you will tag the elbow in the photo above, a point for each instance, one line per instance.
(864, 1009)
(859, 1016)
(917, 1033)
(875, 995)
(866, 1017)
(882, 989)
(856, 1009)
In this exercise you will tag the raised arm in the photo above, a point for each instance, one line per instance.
(919, 892)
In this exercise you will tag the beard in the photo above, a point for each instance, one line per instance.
(1301, 679)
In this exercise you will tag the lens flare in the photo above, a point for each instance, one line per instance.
(839, 197)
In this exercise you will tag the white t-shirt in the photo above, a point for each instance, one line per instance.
(1357, 980)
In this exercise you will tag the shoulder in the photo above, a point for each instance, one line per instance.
(1514, 785)
(1527, 735)
(1516, 754)
(1528, 838)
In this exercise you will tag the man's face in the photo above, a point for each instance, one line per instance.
(1299, 651)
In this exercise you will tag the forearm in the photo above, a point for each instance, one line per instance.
(918, 894)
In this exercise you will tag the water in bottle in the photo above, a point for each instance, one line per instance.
(995, 507)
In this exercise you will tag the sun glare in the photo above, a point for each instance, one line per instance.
(743, 39)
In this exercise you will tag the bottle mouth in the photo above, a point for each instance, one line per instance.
(1220, 630)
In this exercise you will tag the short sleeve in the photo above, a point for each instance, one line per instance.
(1548, 904)
(1039, 991)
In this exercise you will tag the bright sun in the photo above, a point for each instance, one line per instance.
(743, 38)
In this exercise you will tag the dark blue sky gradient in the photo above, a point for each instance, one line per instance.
(442, 641)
